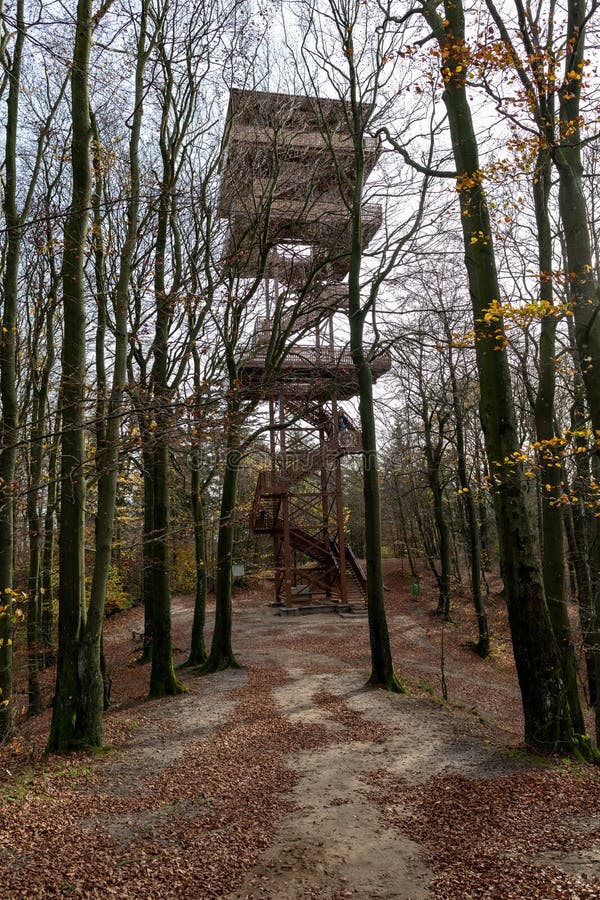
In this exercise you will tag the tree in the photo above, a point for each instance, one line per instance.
(352, 46)
(458, 406)
(64, 731)
(108, 408)
(541, 98)
(434, 417)
(42, 364)
(8, 387)
(548, 721)
(573, 209)
(9, 423)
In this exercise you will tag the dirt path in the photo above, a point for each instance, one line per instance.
(334, 842)
(289, 779)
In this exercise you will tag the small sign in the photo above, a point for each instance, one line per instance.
(238, 570)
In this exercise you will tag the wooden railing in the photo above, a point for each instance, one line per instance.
(305, 357)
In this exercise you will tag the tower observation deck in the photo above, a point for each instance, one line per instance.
(286, 192)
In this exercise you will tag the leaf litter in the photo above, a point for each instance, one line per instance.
(285, 779)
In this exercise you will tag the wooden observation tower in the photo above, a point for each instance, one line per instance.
(286, 191)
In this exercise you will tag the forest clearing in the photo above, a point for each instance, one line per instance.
(289, 778)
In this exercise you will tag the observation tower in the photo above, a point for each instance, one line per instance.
(286, 191)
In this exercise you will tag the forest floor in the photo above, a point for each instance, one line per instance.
(288, 778)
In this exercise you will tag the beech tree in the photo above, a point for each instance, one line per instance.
(548, 721)
(41, 353)
(109, 404)
(64, 731)
(351, 46)
(185, 57)
(541, 96)
(13, 197)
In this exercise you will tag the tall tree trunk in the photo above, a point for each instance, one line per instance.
(147, 533)
(33, 577)
(433, 458)
(549, 487)
(198, 654)
(34, 520)
(48, 552)
(163, 681)
(91, 706)
(553, 543)
(162, 675)
(382, 665)
(573, 211)
(483, 633)
(93, 693)
(583, 528)
(71, 617)
(221, 651)
(584, 288)
(547, 716)
(40, 378)
(9, 425)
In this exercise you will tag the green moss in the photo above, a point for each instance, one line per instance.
(171, 688)
(219, 664)
(391, 684)
(525, 755)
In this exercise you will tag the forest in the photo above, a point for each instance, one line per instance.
(192, 191)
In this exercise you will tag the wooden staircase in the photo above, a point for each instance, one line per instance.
(297, 490)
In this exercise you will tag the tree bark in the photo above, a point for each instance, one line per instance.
(198, 653)
(483, 638)
(64, 728)
(147, 533)
(573, 211)
(221, 651)
(41, 378)
(163, 681)
(48, 552)
(583, 528)
(433, 459)
(553, 542)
